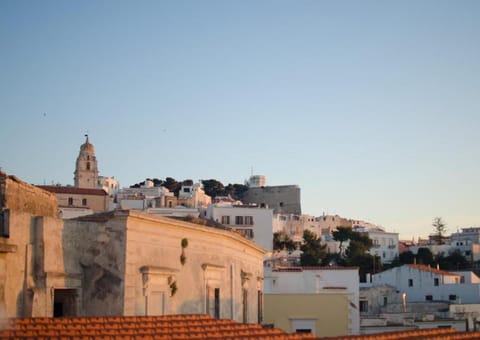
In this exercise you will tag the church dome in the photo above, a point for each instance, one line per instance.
(87, 146)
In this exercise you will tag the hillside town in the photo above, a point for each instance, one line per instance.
(247, 254)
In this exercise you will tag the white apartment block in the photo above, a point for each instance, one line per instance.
(420, 283)
(385, 244)
(250, 220)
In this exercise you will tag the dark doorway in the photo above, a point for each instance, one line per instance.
(65, 302)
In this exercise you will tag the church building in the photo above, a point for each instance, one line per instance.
(91, 193)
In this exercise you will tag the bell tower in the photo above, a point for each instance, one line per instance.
(86, 169)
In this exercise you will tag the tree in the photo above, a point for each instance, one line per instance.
(235, 190)
(425, 256)
(454, 261)
(281, 241)
(407, 257)
(213, 188)
(440, 229)
(342, 234)
(313, 250)
(172, 185)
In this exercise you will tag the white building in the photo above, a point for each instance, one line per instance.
(252, 221)
(193, 196)
(385, 244)
(326, 281)
(421, 283)
(147, 196)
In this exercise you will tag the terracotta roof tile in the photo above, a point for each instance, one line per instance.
(431, 270)
(72, 190)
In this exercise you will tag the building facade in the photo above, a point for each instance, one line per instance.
(420, 283)
(283, 199)
(253, 222)
(294, 296)
(120, 263)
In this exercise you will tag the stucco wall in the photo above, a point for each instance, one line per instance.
(214, 258)
(95, 249)
(23, 197)
(329, 311)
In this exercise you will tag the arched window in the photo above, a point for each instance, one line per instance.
(84, 202)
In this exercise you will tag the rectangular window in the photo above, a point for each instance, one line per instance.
(186, 189)
(452, 297)
(428, 298)
(363, 306)
(249, 220)
(217, 303)
(385, 300)
(84, 202)
(70, 201)
(225, 219)
(410, 282)
(260, 306)
(238, 219)
(435, 281)
(245, 306)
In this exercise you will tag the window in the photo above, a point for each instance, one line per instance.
(186, 189)
(385, 300)
(260, 306)
(247, 233)
(410, 282)
(452, 297)
(281, 204)
(435, 281)
(363, 306)
(245, 305)
(70, 201)
(88, 165)
(217, 303)
(225, 219)
(84, 202)
(249, 220)
(238, 219)
(428, 298)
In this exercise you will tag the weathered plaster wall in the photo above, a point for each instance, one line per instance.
(23, 197)
(17, 266)
(214, 258)
(96, 251)
(20, 275)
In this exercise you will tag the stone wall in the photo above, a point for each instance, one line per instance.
(284, 199)
(23, 197)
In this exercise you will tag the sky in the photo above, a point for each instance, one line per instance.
(371, 107)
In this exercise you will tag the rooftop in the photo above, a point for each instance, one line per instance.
(72, 190)
(431, 270)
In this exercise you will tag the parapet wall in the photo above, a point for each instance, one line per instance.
(23, 197)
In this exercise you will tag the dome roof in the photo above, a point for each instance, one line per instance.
(87, 146)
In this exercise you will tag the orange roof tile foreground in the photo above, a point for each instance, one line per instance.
(181, 327)
(170, 327)
(417, 334)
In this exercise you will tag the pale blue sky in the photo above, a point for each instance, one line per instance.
(371, 107)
